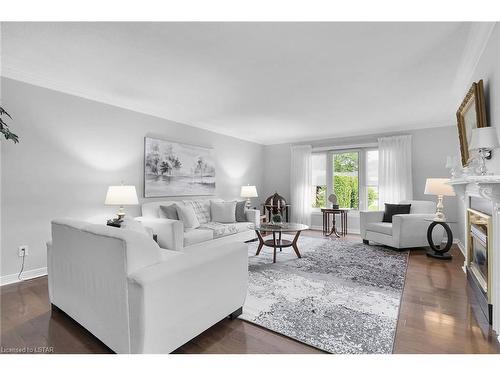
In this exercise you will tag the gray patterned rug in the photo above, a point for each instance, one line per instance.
(341, 297)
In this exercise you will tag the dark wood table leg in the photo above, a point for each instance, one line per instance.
(279, 240)
(334, 230)
(274, 243)
(261, 242)
(294, 244)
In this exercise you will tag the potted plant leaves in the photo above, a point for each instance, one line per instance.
(4, 128)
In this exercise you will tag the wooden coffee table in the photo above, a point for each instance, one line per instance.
(277, 242)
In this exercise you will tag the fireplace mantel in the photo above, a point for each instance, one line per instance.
(487, 187)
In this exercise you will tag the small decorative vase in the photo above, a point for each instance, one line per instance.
(277, 219)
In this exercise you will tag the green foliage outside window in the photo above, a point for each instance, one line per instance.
(346, 162)
(319, 198)
(345, 180)
(347, 191)
(372, 199)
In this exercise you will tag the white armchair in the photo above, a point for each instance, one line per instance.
(405, 231)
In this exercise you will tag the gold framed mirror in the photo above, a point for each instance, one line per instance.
(470, 115)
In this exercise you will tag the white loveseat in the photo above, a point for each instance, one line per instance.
(172, 235)
(405, 231)
(136, 297)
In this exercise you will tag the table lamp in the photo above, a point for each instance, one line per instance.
(248, 192)
(122, 195)
(439, 187)
(483, 140)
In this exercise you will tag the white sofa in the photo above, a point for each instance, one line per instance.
(136, 297)
(171, 234)
(405, 231)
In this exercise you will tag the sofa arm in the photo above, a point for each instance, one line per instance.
(170, 233)
(253, 216)
(173, 301)
(410, 230)
(366, 217)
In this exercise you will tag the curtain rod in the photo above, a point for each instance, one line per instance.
(345, 147)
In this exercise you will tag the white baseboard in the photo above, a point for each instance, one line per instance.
(26, 275)
(460, 245)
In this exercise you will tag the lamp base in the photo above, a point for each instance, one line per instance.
(248, 203)
(439, 210)
(121, 213)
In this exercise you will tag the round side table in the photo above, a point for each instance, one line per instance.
(439, 251)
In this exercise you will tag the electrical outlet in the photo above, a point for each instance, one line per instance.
(23, 250)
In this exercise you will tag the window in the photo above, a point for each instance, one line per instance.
(372, 179)
(346, 179)
(318, 180)
(351, 174)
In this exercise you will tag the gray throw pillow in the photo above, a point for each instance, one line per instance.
(170, 212)
(188, 217)
(241, 215)
(223, 212)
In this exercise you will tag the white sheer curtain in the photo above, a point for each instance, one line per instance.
(300, 184)
(394, 169)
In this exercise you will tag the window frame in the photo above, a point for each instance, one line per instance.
(362, 173)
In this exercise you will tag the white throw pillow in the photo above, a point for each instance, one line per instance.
(134, 225)
(187, 216)
(223, 212)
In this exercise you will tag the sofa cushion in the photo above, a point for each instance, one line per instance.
(197, 235)
(222, 230)
(380, 227)
(201, 209)
(187, 216)
(243, 226)
(395, 209)
(241, 214)
(170, 211)
(223, 212)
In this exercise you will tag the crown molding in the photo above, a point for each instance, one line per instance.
(478, 38)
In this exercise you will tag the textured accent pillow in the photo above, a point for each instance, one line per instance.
(241, 215)
(201, 209)
(223, 212)
(170, 211)
(394, 209)
(187, 216)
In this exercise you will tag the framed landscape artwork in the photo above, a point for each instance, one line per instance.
(470, 115)
(177, 169)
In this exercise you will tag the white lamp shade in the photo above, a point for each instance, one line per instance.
(484, 138)
(121, 196)
(438, 186)
(248, 192)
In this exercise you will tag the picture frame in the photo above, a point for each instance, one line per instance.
(174, 169)
(470, 115)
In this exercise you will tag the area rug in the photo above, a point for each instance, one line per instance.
(341, 297)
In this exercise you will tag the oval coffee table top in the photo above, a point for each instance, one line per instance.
(285, 227)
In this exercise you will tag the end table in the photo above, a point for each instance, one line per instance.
(439, 251)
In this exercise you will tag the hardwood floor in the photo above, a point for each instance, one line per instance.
(436, 316)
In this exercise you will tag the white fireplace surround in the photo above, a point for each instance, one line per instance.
(487, 187)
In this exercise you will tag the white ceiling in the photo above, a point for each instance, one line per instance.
(264, 82)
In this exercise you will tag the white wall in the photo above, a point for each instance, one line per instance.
(71, 149)
(429, 146)
(488, 69)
